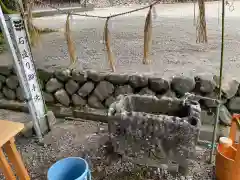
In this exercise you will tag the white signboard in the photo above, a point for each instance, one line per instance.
(16, 26)
(14, 31)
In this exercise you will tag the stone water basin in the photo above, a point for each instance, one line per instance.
(155, 132)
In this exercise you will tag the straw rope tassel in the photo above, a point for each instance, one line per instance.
(108, 46)
(70, 44)
(147, 37)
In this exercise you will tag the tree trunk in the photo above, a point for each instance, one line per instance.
(25, 3)
(8, 8)
(201, 23)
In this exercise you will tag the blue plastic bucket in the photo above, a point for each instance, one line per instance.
(72, 168)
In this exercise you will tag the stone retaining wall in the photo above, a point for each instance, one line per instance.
(98, 90)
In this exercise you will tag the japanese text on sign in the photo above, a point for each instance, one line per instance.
(26, 62)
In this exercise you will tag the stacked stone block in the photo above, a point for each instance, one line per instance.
(99, 90)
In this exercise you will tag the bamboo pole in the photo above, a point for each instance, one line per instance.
(220, 84)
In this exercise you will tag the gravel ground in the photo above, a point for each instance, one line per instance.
(174, 48)
(86, 139)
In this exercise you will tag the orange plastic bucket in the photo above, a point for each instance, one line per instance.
(228, 158)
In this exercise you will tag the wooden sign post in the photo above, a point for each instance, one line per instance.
(15, 34)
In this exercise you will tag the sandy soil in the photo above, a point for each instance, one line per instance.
(174, 49)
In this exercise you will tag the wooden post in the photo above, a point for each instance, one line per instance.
(25, 2)
(14, 32)
(15, 158)
(201, 27)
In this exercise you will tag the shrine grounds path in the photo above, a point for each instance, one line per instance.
(174, 48)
